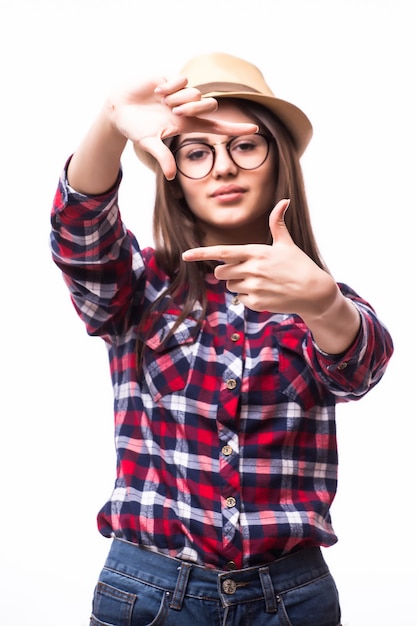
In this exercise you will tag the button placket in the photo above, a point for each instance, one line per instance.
(227, 413)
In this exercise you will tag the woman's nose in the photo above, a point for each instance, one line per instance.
(223, 164)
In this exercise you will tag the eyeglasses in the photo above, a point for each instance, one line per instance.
(195, 159)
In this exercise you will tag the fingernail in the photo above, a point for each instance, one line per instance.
(286, 208)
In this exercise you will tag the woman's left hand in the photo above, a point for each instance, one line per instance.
(279, 278)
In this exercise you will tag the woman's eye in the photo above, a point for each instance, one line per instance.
(198, 154)
(244, 146)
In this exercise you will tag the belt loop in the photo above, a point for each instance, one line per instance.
(268, 589)
(181, 586)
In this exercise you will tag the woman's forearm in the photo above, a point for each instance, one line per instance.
(95, 165)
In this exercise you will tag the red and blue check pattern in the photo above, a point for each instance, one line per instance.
(226, 444)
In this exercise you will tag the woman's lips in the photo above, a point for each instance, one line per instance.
(228, 193)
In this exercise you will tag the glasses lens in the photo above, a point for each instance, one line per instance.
(194, 160)
(249, 152)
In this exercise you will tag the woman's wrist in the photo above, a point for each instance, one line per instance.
(335, 328)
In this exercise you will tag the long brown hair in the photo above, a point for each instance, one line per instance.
(175, 228)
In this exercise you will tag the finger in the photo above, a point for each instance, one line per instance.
(221, 127)
(237, 287)
(277, 223)
(195, 108)
(189, 95)
(168, 86)
(197, 123)
(162, 154)
(225, 254)
(230, 272)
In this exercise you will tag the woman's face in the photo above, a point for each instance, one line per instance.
(231, 204)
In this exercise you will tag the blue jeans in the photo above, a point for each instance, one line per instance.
(141, 588)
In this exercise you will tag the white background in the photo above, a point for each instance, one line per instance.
(351, 66)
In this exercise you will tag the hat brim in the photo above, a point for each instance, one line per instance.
(290, 115)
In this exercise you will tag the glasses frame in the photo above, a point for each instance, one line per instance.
(227, 144)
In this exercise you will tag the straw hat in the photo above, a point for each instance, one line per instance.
(220, 75)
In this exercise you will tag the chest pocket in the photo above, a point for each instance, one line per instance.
(167, 364)
(295, 378)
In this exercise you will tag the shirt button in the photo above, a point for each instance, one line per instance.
(227, 450)
(235, 300)
(231, 566)
(231, 383)
(229, 586)
(342, 365)
(235, 336)
(230, 502)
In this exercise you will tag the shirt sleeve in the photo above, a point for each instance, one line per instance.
(350, 375)
(100, 259)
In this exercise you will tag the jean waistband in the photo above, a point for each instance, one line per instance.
(182, 579)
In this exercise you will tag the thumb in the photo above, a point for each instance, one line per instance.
(277, 224)
(162, 154)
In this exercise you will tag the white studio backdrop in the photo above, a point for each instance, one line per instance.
(350, 65)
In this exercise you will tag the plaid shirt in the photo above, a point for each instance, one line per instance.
(226, 444)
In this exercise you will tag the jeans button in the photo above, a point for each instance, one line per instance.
(229, 586)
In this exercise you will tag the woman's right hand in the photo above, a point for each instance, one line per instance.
(163, 108)
(145, 114)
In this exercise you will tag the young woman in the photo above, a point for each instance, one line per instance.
(229, 344)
